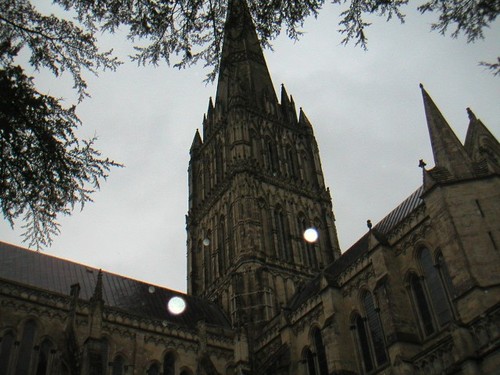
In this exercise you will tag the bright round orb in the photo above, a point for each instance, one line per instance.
(311, 235)
(206, 242)
(176, 305)
(151, 289)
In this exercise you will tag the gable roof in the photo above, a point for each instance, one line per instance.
(48, 273)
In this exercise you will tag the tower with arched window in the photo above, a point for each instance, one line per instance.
(252, 173)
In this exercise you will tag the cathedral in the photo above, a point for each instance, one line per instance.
(419, 293)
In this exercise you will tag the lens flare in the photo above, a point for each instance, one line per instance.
(311, 235)
(176, 305)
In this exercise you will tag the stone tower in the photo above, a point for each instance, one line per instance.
(255, 185)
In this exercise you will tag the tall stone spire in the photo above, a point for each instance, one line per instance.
(243, 75)
(255, 185)
(450, 158)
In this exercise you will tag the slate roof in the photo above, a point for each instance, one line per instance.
(384, 227)
(56, 275)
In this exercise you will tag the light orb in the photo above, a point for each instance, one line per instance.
(206, 242)
(176, 305)
(151, 289)
(311, 235)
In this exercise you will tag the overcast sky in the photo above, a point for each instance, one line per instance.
(365, 107)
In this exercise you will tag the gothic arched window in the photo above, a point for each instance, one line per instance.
(445, 275)
(291, 162)
(169, 364)
(320, 352)
(26, 348)
(272, 156)
(434, 284)
(308, 249)
(305, 247)
(118, 366)
(206, 176)
(5, 351)
(221, 242)
(308, 359)
(207, 255)
(154, 369)
(375, 330)
(320, 243)
(219, 165)
(421, 304)
(43, 358)
(362, 342)
(282, 235)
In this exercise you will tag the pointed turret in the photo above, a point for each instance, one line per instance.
(197, 142)
(450, 159)
(481, 144)
(243, 75)
(303, 120)
(294, 110)
(97, 296)
(208, 120)
(287, 106)
(96, 309)
(210, 111)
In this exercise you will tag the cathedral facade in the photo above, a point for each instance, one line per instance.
(419, 293)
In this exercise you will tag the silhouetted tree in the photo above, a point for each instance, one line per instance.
(44, 169)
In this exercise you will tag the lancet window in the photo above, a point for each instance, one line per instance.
(221, 242)
(291, 162)
(5, 351)
(421, 304)
(271, 156)
(436, 289)
(118, 365)
(219, 165)
(369, 335)
(307, 249)
(361, 336)
(308, 360)
(43, 358)
(375, 330)
(322, 365)
(154, 369)
(282, 235)
(169, 364)
(26, 348)
(207, 255)
(429, 293)
(445, 275)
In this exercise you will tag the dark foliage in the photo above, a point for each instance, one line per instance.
(44, 169)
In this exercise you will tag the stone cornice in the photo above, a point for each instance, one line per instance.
(38, 302)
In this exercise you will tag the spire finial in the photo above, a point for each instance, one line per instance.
(471, 114)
